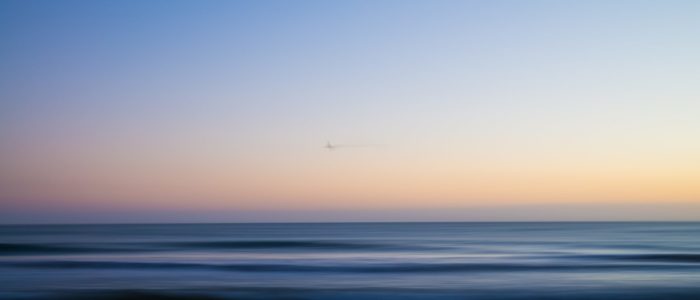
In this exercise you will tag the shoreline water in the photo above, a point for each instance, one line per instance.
(436, 260)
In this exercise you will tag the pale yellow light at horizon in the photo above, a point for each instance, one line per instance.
(350, 178)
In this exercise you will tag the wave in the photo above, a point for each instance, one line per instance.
(63, 249)
(128, 295)
(267, 292)
(29, 249)
(658, 257)
(287, 244)
(358, 268)
(277, 292)
(12, 249)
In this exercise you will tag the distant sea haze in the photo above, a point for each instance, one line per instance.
(529, 260)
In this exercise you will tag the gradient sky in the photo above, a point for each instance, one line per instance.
(140, 111)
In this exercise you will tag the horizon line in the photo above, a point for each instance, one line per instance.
(344, 222)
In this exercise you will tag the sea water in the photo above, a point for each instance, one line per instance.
(352, 261)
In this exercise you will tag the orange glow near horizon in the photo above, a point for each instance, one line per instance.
(345, 179)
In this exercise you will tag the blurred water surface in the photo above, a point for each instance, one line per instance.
(352, 261)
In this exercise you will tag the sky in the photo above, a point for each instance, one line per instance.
(218, 111)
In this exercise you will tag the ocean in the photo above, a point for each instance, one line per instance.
(559, 260)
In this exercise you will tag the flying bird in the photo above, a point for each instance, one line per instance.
(330, 146)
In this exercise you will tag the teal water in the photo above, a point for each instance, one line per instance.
(352, 261)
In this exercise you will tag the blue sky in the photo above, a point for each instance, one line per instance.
(225, 105)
